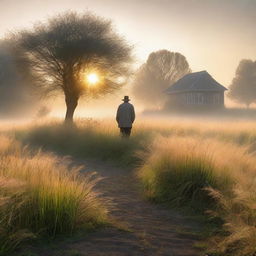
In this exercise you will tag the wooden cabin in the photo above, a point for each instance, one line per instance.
(197, 89)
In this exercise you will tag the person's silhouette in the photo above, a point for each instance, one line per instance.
(125, 117)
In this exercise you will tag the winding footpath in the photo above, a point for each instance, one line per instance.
(149, 229)
(153, 229)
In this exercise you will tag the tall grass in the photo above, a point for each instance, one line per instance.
(89, 139)
(40, 194)
(206, 175)
(239, 132)
(209, 167)
(178, 169)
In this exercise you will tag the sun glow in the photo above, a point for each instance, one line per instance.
(92, 78)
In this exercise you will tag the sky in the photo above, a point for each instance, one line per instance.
(214, 35)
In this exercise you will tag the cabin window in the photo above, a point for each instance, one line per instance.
(200, 98)
(193, 98)
(190, 98)
(216, 99)
(187, 98)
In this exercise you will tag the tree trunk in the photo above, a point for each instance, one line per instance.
(71, 103)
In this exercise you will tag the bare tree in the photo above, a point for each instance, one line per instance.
(63, 51)
(243, 86)
(162, 69)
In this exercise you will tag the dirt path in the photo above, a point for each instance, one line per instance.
(153, 229)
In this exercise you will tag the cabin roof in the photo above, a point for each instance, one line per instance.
(197, 81)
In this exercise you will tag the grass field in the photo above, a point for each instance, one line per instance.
(41, 195)
(209, 167)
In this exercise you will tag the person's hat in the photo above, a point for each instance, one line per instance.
(126, 98)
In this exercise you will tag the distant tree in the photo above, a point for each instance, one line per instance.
(161, 70)
(69, 47)
(15, 85)
(243, 86)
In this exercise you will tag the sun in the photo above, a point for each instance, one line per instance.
(92, 78)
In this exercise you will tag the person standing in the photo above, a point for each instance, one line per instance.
(125, 117)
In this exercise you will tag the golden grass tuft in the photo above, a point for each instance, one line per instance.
(41, 194)
(209, 175)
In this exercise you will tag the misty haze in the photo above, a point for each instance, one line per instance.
(127, 127)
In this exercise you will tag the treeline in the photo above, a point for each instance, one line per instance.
(56, 56)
